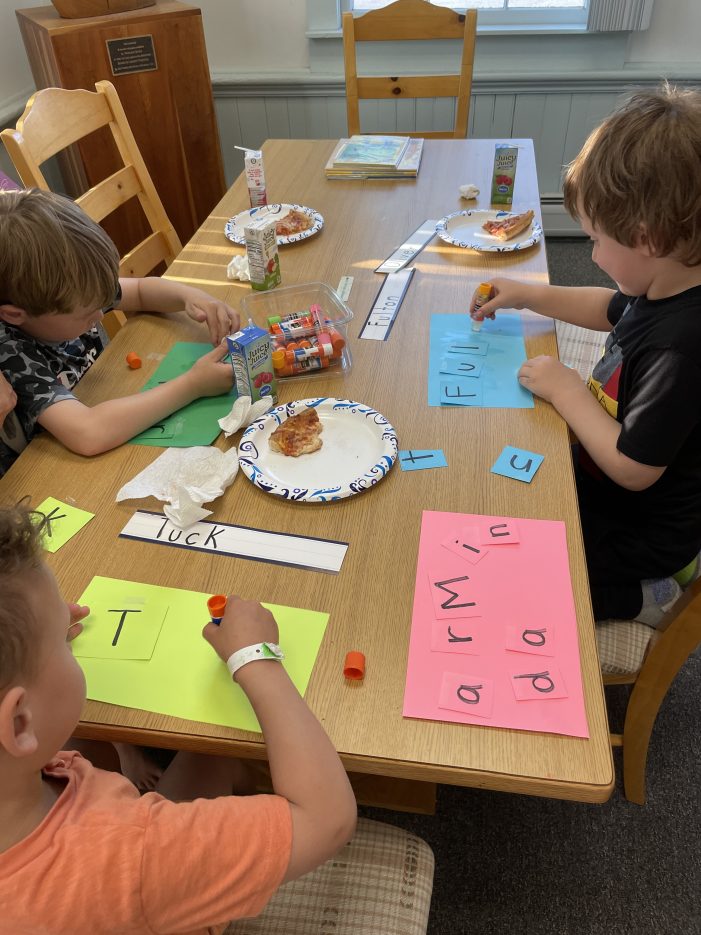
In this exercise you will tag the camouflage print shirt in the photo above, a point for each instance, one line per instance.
(41, 373)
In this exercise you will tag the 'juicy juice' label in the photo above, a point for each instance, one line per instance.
(261, 250)
(251, 358)
(504, 174)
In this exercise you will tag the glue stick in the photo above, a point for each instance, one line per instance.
(482, 294)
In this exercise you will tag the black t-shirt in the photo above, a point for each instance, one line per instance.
(649, 379)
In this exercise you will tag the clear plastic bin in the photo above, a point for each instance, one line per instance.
(313, 342)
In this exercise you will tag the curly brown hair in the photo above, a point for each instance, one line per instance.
(53, 257)
(640, 172)
(20, 552)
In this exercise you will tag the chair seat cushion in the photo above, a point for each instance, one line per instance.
(379, 884)
(622, 645)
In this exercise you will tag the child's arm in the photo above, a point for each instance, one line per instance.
(154, 294)
(90, 430)
(304, 765)
(585, 306)
(596, 430)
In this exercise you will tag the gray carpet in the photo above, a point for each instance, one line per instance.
(516, 865)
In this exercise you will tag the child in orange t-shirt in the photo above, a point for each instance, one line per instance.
(80, 850)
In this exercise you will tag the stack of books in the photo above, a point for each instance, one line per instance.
(376, 157)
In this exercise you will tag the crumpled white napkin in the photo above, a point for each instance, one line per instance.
(238, 268)
(184, 478)
(469, 191)
(243, 413)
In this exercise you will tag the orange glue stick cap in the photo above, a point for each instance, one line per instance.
(354, 666)
(133, 360)
(216, 605)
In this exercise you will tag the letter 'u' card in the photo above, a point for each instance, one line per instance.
(501, 533)
(469, 694)
(538, 683)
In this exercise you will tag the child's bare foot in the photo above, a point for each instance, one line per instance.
(138, 766)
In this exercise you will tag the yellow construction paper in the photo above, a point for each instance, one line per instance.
(63, 522)
(121, 629)
(184, 677)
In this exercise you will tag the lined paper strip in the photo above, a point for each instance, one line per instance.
(385, 307)
(260, 545)
(409, 249)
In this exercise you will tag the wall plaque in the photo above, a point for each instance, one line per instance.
(132, 55)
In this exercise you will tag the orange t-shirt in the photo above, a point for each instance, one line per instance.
(106, 860)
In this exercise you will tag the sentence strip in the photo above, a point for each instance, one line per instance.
(385, 307)
(260, 545)
(409, 249)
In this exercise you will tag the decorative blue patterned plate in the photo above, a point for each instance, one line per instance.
(235, 226)
(359, 448)
(464, 229)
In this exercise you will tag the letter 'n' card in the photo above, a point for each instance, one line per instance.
(469, 694)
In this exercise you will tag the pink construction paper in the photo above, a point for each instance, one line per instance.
(453, 595)
(500, 532)
(539, 641)
(467, 693)
(538, 683)
(458, 636)
(466, 543)
(527, 586)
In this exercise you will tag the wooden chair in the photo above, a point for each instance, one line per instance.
(410, 20)
(662, 657)
(56, 118)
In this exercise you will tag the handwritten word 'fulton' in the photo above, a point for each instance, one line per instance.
(169, 533)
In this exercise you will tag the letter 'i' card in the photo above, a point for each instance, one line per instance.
(467, 543)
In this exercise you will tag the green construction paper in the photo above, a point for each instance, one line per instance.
(184, 677)
(194, 424)
(63, 524)
(122, 629)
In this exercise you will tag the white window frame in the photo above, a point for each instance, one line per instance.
(324, 18)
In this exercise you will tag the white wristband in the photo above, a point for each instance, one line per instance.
(253, 653)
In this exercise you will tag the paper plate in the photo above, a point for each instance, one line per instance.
(234, 227)
(464, 229)
(359, 448)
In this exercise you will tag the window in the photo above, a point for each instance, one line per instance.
(324, 16)
(507, 14)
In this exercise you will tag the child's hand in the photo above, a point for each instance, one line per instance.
(219, 317)
(244, 623)
(211, 377)
(507, 293)
(548, 378)
(78, 612)
(8, 398)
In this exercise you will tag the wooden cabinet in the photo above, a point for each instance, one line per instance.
(163, 82)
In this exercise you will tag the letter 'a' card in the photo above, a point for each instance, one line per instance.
(537, 640)
(469, 694)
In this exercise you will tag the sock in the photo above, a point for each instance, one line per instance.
(658, 596)
(689, 573)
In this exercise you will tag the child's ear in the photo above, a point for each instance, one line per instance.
(12, 315)
(17, 735)
(642, 242)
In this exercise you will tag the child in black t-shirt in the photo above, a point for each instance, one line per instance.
(636, 189)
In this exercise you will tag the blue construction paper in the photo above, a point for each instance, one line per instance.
(469, 346)
(517, 463)
(505, 355)
(415, 460)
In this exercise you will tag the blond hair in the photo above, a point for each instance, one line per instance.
(639, 173)
(53, 257)
(20, 553)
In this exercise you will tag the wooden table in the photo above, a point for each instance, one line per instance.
(370, 601)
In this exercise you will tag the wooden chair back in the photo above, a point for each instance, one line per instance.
(666, 656)
(410, 20)
(56, 118)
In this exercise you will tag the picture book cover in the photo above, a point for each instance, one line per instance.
(372, 151)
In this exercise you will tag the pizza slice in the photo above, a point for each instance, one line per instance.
(298, 435)
(507, 227)
(294, 222)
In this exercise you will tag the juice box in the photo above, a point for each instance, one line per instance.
(261, 249)
(504, 174)
(251, 357)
